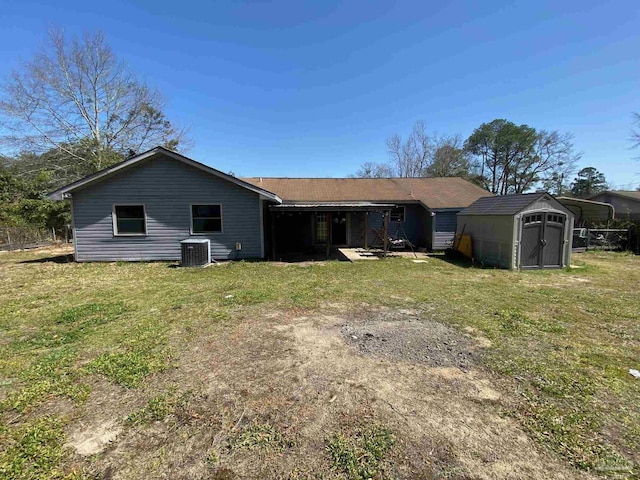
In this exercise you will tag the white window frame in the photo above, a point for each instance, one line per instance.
(191, 232)
(404, 214)
(114, 219)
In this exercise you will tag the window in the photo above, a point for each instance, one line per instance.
(206, 219)
(555, 218)
(321, 227)
(533, 219)
(129, 220)
(397, 214)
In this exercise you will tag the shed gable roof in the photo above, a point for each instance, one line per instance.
(435, 193)
(507, 204)
(108, 172)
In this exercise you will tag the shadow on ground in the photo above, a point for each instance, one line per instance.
(55, 259)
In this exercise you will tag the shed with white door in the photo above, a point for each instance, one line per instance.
(527, 231)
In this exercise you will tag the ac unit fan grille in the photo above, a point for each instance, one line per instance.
(195, 253)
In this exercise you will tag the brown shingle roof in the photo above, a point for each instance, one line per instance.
(435, 193)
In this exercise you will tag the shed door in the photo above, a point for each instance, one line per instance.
(553, 240)
(542, 240)
(531, 249)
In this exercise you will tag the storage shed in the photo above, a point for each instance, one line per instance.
(529, 231)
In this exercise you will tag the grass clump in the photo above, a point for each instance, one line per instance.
(129, 369)
(97, 313)
(70, 326)
(34, 451)
(143, 353)
(359, 454)
(260, 436)
(53, 375)
(158, 408)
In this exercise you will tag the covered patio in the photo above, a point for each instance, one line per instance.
(320, 228)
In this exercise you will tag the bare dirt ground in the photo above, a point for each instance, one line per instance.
(310, 377)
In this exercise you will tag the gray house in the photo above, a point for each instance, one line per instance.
(142, 208)
(531, 230)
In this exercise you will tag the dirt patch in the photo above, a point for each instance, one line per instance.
(94, 439)
(402, 336)
(273, 390)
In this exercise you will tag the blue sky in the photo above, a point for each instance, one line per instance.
(298, 88)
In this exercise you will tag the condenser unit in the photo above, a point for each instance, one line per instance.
(196, 252)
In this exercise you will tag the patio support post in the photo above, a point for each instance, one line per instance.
(273, 236)
(366, 230)
(328, 233)
(385, 216)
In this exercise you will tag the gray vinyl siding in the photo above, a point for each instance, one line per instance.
(167, 188)
(445, 228)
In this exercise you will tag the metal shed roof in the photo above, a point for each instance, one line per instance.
(587, 210)
(502, 205)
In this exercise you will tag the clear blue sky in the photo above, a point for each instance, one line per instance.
(297, 88)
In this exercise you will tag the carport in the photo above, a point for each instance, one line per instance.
(525, 231)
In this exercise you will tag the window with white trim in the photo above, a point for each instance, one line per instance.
(397, 214)
(129, 220)
(206, 218)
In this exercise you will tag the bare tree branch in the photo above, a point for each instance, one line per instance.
(76, 91)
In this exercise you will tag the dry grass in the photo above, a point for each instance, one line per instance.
(146, 371)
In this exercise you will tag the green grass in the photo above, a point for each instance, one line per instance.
(158, 408)
(359, 453)
(259, 436)
(34, 451)
(52, 375)
(562, 341)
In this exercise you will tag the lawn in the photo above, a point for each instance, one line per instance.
(383, 369)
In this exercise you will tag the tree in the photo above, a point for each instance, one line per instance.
(450, 159)
(420, 155)
(551, 164)
(61, 167)
(412, 157)
(77, 98)
(374, 170)
(517, 158)
(22, 203)
(588, 182)
(500, 146)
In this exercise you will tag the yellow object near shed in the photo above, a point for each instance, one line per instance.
(463, 244)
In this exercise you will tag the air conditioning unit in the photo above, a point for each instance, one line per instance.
(196, 252)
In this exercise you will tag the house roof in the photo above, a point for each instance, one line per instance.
(503, 205)
(435, 193)
(630, 194)
(148, 155)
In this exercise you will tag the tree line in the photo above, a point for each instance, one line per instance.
(500, 156)
(73, 109)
